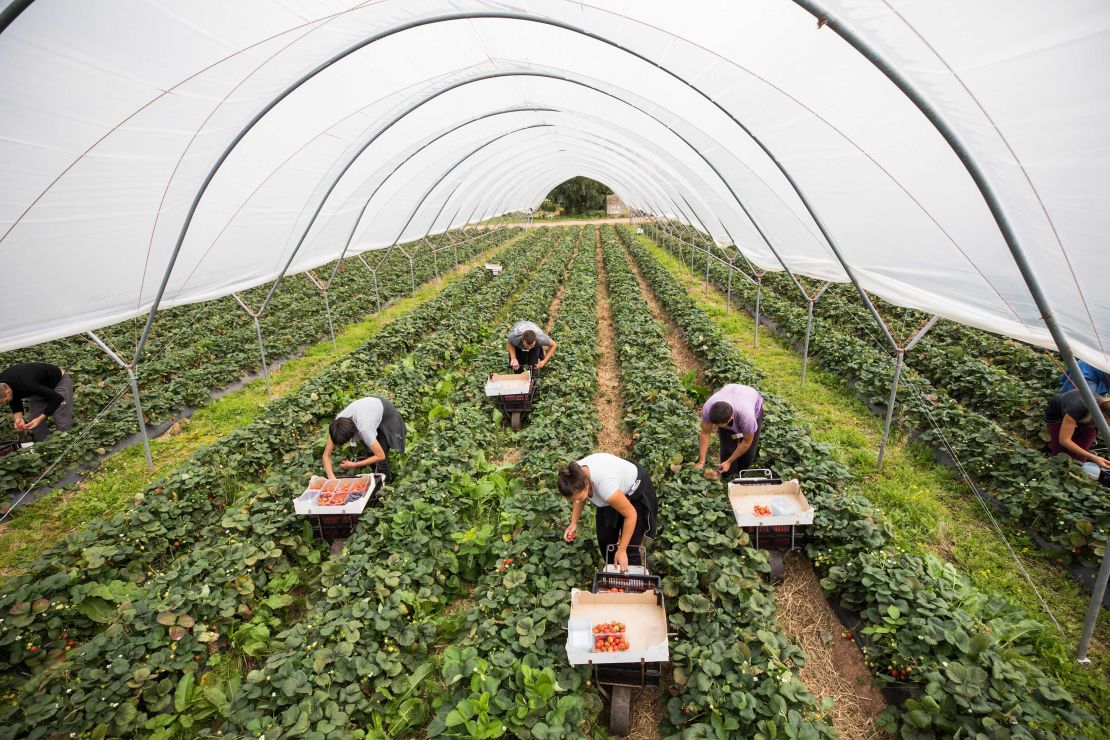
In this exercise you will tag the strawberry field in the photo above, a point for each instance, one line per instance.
(208, 608)
(197, 349)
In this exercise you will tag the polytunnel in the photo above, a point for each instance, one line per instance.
(948, 157)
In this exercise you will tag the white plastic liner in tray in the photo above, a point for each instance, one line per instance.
(644, 619)
(305, 504)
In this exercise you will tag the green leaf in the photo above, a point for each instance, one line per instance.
(183, 694)
(98, 610)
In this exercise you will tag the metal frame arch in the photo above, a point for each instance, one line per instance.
(444, 18)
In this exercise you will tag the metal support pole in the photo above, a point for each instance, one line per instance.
(374, 275)
(327, 305)
(758, 295)
(262, 355)
(706, 291)
(898, 359)
(728, 296)
(134, 381)
(809, 327)
(261, 346)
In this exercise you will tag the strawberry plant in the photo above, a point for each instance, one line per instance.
(196, 349)
(919, 616)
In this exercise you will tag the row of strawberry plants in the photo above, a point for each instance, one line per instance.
(975, 659)
(1052, 496)
(970, 369)
(184, 514)
(1032, 368)
(196, 349)
(509, 671)
(733, 666)
(363, 656)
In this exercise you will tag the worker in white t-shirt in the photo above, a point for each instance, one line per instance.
(625, 500)
(376, 423)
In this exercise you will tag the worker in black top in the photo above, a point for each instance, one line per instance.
(47, 390)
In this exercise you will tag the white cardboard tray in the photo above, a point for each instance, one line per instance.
(509, 384)
(305, 504)
(744, 499)
(644, 619)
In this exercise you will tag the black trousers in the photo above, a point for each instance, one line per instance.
(382, 466)
(528, 357)
(610, 522)
(728, 446)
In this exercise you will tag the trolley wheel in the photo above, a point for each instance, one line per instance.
(777, 566)
(514, 421)
(619, 711)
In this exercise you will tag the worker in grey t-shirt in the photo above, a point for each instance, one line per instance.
(529, 346)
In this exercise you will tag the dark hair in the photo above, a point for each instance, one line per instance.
(719, 412)
(342, 430)
(528, 337)
(1103, 406)
(571, 479)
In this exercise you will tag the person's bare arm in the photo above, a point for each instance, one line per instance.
(625, 508)
(513, 362)
(377, 454)
(572, 529)
(743, 447)
(548, 351)
(1067, 430)
(703, 443)
(328, 447)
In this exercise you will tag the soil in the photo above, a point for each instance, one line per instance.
(683, 358)
(613, 438)
(558, 300)
(834, 665)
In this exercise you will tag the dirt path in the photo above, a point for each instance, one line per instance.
(558, 300)
(834, 666)
(613, 438)
(683, 358)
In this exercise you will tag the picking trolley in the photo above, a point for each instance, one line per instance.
(514, 394)
(633, 600)
(755, 495)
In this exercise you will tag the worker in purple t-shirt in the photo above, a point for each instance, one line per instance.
(736, 411)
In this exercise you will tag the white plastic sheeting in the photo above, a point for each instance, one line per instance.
(112, 114)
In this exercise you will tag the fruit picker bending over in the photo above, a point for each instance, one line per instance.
(376, 423)
(48, 391)
(625, 500)
(736, 412)
(529, 346)
(1071, 429)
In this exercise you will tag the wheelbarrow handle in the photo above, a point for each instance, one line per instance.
(754, 474)
(611, 553)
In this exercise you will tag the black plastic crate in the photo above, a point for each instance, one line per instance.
(633, 675)
(630, 582)
(331, 527)
(782, 537)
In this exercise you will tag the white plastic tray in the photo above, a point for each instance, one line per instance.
(305, 504)
(644, 618)
(745, 498)
(509, 384)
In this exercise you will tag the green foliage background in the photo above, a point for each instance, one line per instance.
(580, 194)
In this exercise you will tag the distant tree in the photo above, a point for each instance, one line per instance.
(580, 195)
(548, 205)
